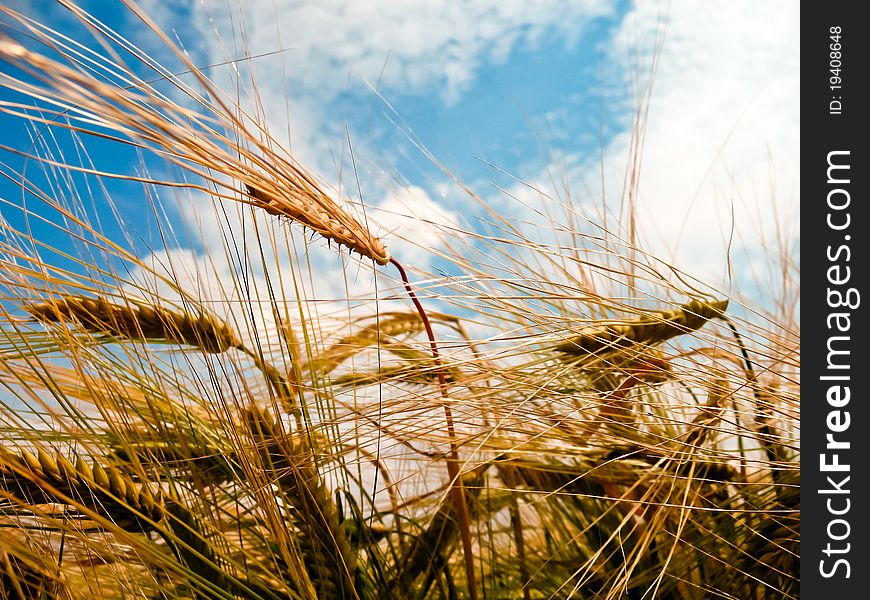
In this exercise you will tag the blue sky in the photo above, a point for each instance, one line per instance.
(534, 90)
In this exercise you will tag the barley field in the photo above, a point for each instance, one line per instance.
(547, 410)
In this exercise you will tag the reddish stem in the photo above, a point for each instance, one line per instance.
(457, 490)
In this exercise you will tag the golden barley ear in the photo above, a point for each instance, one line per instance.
(194, 142)
(114, 498)
(45, 479)
(649, 329)
(312, 207)
(138, 321)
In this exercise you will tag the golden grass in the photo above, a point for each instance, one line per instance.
(206, 145)
(587, 455)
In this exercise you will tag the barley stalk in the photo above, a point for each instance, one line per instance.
(431, 548)
(327, 553)
(457, 490)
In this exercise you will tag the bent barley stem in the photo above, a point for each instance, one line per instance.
(456, 489)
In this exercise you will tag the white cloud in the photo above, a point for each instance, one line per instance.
(413, 45)
(416, 221)
(335, 48)
(723, 119)
(722, 129)
(723, 124)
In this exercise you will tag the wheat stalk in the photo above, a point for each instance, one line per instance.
(138, 321)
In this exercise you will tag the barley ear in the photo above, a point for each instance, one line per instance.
(138, 321)
(306, 203)
(41, 478)
(649, 329)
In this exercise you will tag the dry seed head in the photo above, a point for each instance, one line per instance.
(379, 333)
(192, 141)
(41, 478)
(689, 317)
(138, 321)
(313, 208)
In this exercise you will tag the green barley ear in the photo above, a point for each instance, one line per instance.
(138, 321)
(649, 329)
